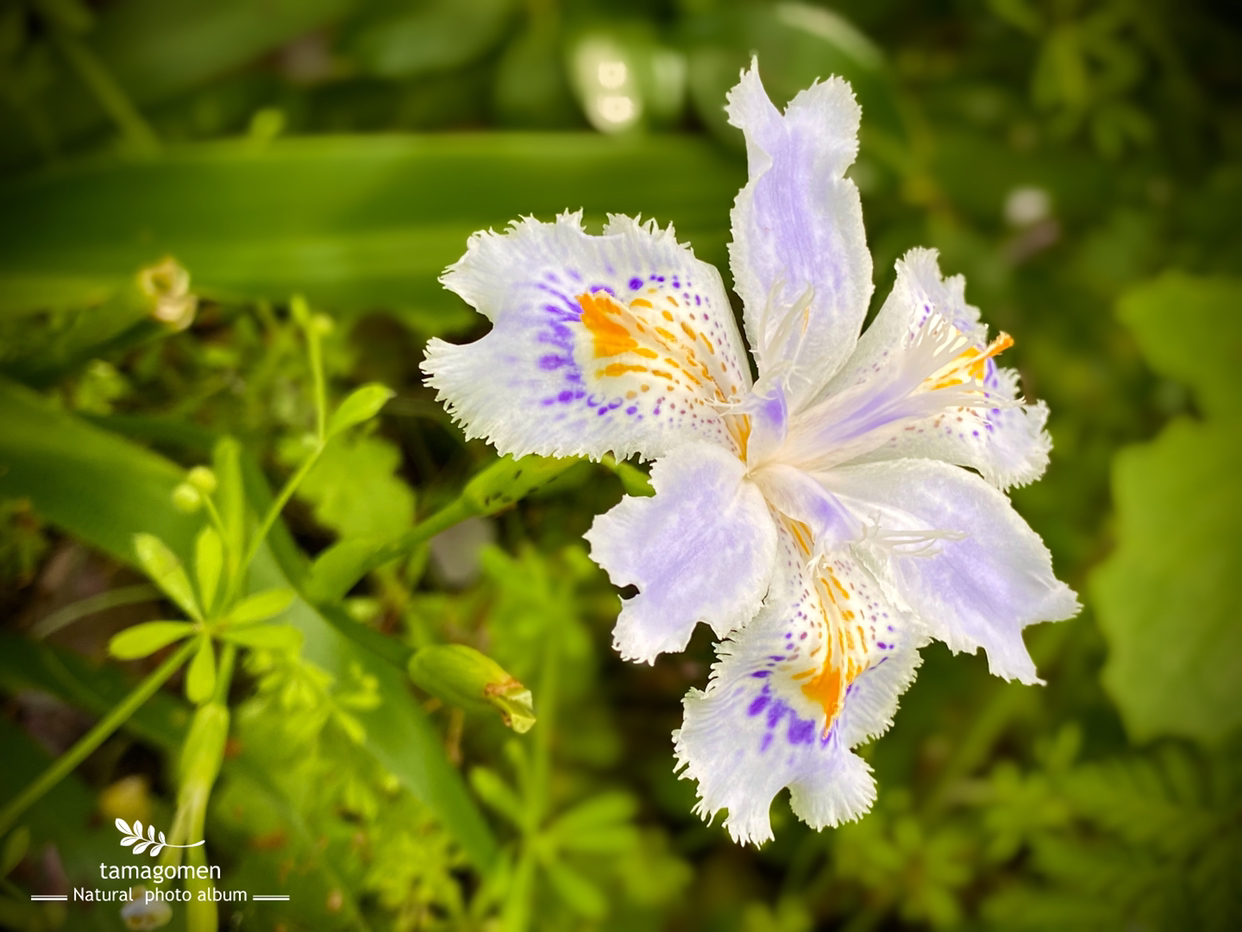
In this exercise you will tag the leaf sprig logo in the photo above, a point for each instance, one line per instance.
(133, 836)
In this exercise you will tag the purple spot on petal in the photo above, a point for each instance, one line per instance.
(779, 708)
(635, 284)
(801, 731)
(765, 743)
(759, 703)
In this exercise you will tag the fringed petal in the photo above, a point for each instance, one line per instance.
(799, 252)
(960, 406)
(621, 343)
(816, 673)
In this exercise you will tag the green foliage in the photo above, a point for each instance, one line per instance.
(353, 489)
(1165, 596)
(171, 173)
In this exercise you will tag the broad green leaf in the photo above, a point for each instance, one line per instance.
(77, 476)
(400, 41)
(361, 405)
(156, 50)
(200, 679)
(390, 211)
(166, 571)
(1167, 596)
(1190, 331)
(261, 606)
(146, 638)
(208, 565)
(354, 489)
(273, 637)
(337, 569)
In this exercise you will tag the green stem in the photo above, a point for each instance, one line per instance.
(108, 93)
(213, 515)
(224, 673)
(517, 914)
(65, 764)
(113, 598)
(453, 513)
(321, 392)
(273, 512)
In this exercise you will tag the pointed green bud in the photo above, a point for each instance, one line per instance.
(463, 677)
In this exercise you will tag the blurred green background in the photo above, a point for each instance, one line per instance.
(1080, 161)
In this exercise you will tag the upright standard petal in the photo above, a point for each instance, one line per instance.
(799, 252)
(818, 672)
(965, 410)
(620, 343)
(703, 549)
(981, 574)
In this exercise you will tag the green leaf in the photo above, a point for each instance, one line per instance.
(146, 638)
(413, 39)
(578, 893)
(77, 476)
(208, 565)
(156, 50)
(270, 637)
(497, 794)
(337, 569)
(1167, 596)
(315, 196)
(602, 823)
(200, 681)
(601, 811)
(15, 847)
(166, 571)
(103, 489)
(354, 489)
(361, 405)
(1190, 331)
(260, 606)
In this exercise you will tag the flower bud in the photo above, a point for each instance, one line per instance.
(187, 499)
(167, 285)
(203, 479)
(461, 676)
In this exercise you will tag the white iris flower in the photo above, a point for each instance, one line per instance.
(818, 518)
